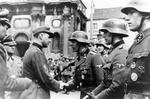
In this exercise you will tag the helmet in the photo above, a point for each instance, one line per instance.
(3, 17)
(79, 36)
(139, 5)
(5, 21)
(4, 13)
(115, 26)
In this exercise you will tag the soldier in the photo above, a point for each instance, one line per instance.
(138, 61)
(88, 72)
(102, 49)
(114, 32)
(8, 83)
(35, 65)
(14, 62)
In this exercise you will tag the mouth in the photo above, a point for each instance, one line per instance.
(130, 24)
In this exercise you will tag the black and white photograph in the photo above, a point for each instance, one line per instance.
(74, 49)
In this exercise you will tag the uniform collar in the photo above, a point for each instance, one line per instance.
(118, 44)
(142, 35)
(37, 45)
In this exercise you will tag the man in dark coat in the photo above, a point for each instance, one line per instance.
(135, 76)
(87, 69)
(138, 61)
(114, 32)
(35, 64)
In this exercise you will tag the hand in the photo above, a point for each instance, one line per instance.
(62, 84)
(89, 96)
(86, 97)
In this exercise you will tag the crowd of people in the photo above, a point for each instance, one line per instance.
(100, 70)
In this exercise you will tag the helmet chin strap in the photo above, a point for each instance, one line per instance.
(141, 24)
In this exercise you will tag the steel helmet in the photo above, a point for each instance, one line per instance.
(115, 26)
(142, 6)
(79, 36)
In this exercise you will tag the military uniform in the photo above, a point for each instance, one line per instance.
(35, 67)
(110, 88)
(88, 74)
(6, 82)
(139, 63)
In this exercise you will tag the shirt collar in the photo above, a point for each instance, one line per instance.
(118, 44)
(37, 45)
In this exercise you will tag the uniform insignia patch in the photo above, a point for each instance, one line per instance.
(120, 65)
(141, 69)
(99, 66)
(139, 37)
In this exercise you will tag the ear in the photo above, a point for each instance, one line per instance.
(40, 36)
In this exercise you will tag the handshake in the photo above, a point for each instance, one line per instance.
(89, 96)
(63, 85)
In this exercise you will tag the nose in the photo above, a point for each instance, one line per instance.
(126, 18)
(70, 43)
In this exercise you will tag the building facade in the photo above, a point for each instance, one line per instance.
(62, 16)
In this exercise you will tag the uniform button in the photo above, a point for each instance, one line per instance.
(134, 77)
(133, 65)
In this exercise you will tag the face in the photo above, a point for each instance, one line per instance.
(133, 19)
(108, 37)
(100, 48)
(45, 39)
(10, 49)
(75, 45)
(3, 30)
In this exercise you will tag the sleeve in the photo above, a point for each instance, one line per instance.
(119, 76)
(118, 62)
(40, 64)
(116, 85)
(97, 63)
(98, 89)
(107, 93)
(120, 58)
(8, 83)
(17, 84)
(3, 68)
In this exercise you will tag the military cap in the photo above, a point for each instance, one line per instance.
(3, 17)
(9, 41)
(43, 29)
(4, 12)
(5, 21)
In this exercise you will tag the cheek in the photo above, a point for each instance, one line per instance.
(2, 31)
(74, 46)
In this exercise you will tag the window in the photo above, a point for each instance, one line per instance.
(95, 26)
(56, 41)
(21, 23)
